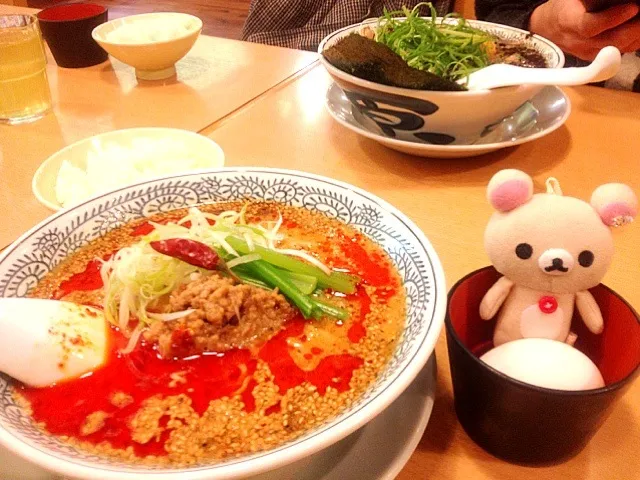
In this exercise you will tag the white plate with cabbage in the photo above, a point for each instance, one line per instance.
(106, 162)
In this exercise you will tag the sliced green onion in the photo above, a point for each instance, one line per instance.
(449, 48)
(135, 277)
(133, 339)
(243, 259)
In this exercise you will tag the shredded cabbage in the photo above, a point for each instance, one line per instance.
(111, 165)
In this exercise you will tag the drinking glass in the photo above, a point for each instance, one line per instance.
(24, 88)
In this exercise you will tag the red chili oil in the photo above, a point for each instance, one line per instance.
(140, 374)
(357, 331)
(143, 374)
(373, 268)
(89, 279)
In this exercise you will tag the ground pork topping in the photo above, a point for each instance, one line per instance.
(94, 422)
(227, 315)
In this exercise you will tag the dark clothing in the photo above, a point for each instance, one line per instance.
(514, 12)
(303, 24)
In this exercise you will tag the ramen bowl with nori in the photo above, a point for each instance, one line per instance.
(302, 383)
(430, 115)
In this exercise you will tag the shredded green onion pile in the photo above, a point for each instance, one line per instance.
(136, 277)
(448, 47)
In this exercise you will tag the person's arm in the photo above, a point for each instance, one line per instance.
(583, 34)
(568, 24)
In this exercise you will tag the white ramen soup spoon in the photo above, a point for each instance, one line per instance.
(43, 342)
(604, 66)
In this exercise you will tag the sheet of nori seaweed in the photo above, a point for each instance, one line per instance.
(367, 59)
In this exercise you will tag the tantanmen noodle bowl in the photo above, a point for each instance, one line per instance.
(254, 317)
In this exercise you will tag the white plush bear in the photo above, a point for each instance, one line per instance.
(550, 250)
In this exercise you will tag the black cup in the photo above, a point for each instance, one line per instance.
(67, 29)
(523, 423)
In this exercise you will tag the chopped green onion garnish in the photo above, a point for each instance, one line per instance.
(449, 47)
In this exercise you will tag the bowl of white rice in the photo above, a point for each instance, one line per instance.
(151, 43)
(112, 160)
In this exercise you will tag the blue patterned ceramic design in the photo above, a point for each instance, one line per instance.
(392, 113)
(546, 112)
(37, 252)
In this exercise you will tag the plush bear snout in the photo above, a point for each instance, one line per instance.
(556, 261)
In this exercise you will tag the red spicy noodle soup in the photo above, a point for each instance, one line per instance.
(224, 383)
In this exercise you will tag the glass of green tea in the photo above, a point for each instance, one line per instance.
(24, 88)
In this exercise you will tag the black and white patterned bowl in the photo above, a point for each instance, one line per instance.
(439, 118)
(39, 250)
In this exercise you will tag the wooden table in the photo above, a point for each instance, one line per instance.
(20, 3)
(287, 126)
(600, 143)
(216, 77)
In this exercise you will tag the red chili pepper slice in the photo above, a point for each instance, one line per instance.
(189, 251)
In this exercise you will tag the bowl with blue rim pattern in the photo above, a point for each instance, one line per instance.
(43, 247)
(437, 117)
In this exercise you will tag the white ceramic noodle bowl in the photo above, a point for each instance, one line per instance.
(44, 246)
(440, 117)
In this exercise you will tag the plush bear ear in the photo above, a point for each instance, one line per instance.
(616, 204)
(509, 189)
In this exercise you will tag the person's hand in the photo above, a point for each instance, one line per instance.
(583, 34)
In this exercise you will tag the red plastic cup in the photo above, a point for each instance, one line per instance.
(523, 423)
(67, 29)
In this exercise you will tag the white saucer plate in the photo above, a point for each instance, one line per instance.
(543, 114)
(378, 451)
